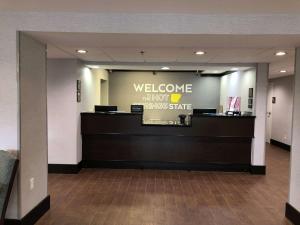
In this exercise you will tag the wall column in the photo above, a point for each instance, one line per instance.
(293, 206)
(9, 109)
(259, 141)
(33, 169)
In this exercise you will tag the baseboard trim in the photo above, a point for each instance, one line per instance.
(65, 168)
(12, 222)
(166, 166)
(33, 216)
(258, 170)
(280, 144)
(292, 214)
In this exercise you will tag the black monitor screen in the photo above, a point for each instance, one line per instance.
(105, 108)
(137, 108)
(202, 111)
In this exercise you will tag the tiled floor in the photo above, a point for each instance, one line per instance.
(152, 197)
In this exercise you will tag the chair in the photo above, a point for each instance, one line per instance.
(8, 170)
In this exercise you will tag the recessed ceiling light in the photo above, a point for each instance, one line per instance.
(165, 68)
(93, 66)
(81, 51)
(280, 53)
(200, 53)
(234, 69)
(282, 71)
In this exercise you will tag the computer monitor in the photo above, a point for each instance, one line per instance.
(203, 111)
(105, 108)
(137, 108)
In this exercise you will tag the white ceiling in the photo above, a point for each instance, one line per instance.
(163, 49)
(155, 6)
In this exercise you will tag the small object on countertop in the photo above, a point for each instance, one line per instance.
(233, 113)
(182, 118)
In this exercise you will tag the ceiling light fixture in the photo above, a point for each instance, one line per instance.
(81, 51)
(200, 53)
(165, 68)
(234, 69)
(282, 71)
(280, 53)
(93, 66)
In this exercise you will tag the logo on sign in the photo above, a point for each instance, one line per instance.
(175, 98)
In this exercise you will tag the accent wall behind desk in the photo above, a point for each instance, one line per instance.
(195, 92)
(210, 142)
(155, 91)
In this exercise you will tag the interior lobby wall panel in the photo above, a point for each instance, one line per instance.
(90, 96)
(282, 109)
(238, 84)
(62, 109)
(259, 142)
(294, 194)
(205, 91)
(33, 106)
(103, 75)
(64, 138)
(90, 89)
(9, 110)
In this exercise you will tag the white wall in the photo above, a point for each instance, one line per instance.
(62, 111)
(294, 194)
(91, 87)
(238, 84)
(259, 141)
(104, 87)
(64, 137)
(9, 90)
(33, 105)
(90, 96)
(282, 110)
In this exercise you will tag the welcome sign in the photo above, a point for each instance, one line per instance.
(164, 96)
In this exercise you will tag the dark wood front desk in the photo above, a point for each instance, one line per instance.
(121, 140)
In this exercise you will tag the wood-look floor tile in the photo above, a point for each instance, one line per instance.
(158, 197)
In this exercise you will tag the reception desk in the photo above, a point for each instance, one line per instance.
(209, 142)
